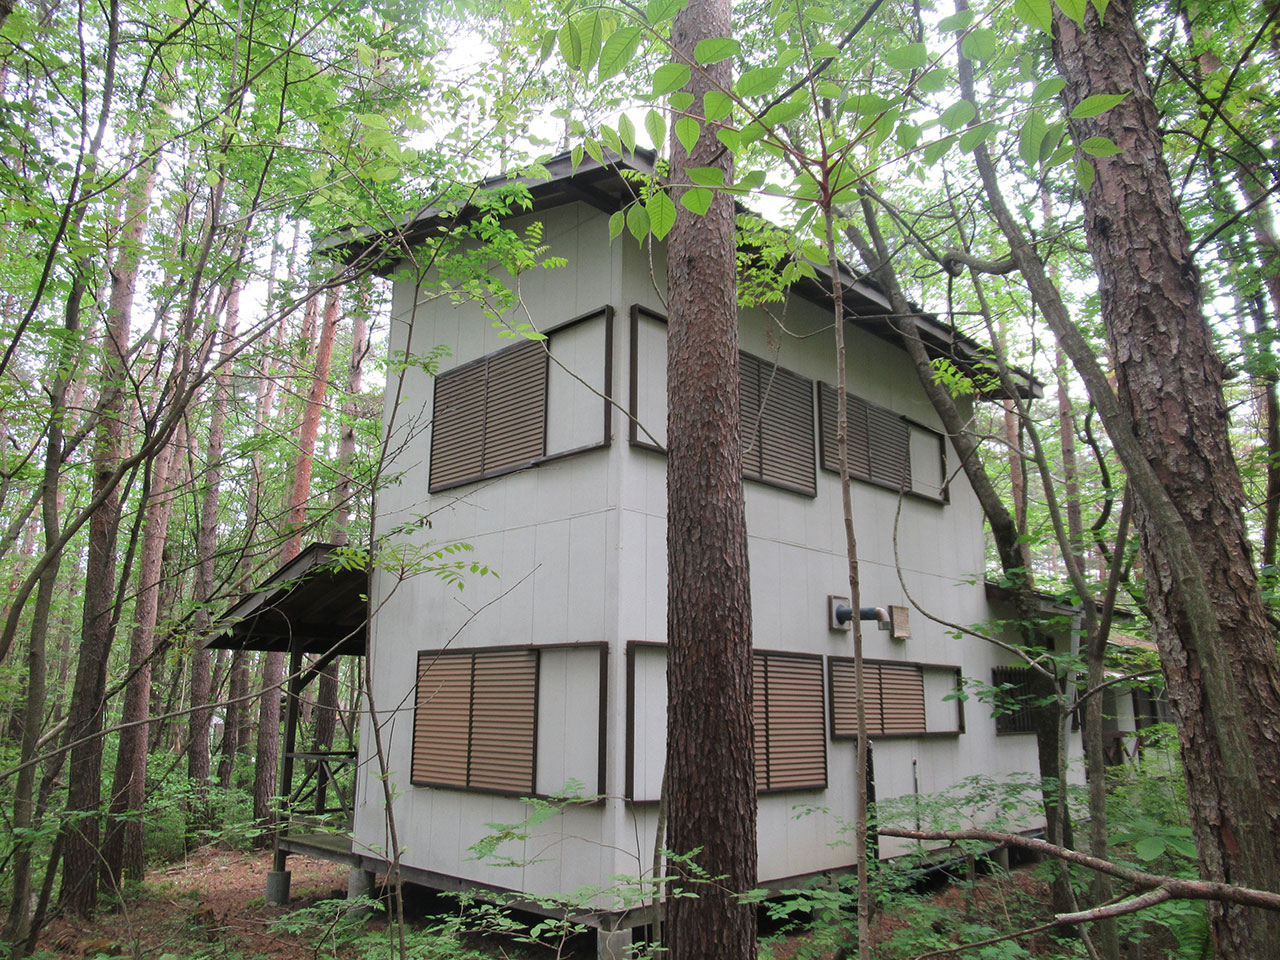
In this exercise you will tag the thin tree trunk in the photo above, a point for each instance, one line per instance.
(266, 770)
(710, 748)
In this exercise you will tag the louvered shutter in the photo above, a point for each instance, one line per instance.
(797, 739)
(457, 428)
(515, 407)
(859, 448)
(902, 698)
(786, 430)
(504, 711)
(1016, 715)
(474, 720)
(749, 401)
(890, 447)
(442, 719)
(844, 703)
(760, 720)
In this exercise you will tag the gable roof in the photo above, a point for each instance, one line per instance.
(603, 186)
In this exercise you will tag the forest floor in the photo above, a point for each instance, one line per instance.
(211, 907)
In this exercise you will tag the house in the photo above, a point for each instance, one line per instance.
(546, 458)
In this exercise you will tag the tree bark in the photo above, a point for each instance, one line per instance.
(710, 755)
(1169, 386)
(122, 851)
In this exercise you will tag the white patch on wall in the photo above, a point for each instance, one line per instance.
(568, 719)
(575, 414)
(927, 462)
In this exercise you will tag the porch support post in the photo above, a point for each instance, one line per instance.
(290, 745)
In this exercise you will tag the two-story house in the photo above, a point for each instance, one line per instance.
(546, 458)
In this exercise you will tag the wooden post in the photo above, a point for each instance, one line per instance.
(290, 744)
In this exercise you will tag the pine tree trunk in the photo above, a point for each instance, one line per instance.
(122, 851)
(80, 854)
(710, 755)
(1169, 383)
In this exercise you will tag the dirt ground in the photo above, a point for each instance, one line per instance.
(214, 897)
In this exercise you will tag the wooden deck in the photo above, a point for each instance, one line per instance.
(325, 846)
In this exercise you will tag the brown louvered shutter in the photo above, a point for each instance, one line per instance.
(902, 697)
(844, 703)
(457, 429)
(515, 407)
(749, 400)
(1016, 715)
(504, 712)
(890, 447)
(442, 719)
(856, 410)
(797, 737)
(760, 720)
(786, 430)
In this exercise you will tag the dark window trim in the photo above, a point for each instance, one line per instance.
(602, 752)
(634, 437)
(606, 437)
(942, 455)
(922, 735)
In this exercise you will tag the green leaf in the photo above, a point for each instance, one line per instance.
(592, 147)
(548, 44)
(706, 176)
(616, 224)
(627, 131)
(957, 21)
(975, 135)
(957, 115)
(1030, 137)
(1101, 7)
(758, 82)
(1074, 9)
(1182, 846)
(908, 135)
(786, 111)
(1053, 137)
(687, 130)
(591, 29)
(1061, 155)
(575, 156)
(1035, 13)
(980, 44)
(715, 49)
(638, 221)
(1100, 147)
(934, 81)
(832, 91)
(913, 56)
(611, 139)
(662, 214)
(1098, 103)
(730, 138)
(1047, 89)
(570, 45)
(824, 50)
(697, 200)
(658, 11)
(751, 181)
(680, 100)
(936, 151)
(618, 51)
(655, 124)
(1148, 848)
(716, 105)
(1084, 174)
(670, 77)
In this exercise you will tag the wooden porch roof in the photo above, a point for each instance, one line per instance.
(311, 605)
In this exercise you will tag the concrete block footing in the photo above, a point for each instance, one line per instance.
(278, 887)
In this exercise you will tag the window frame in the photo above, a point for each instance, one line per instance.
(819, 734)
(606, 315)
(1018, 721)
(866, 441)
(839, 724)
(532, 736)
